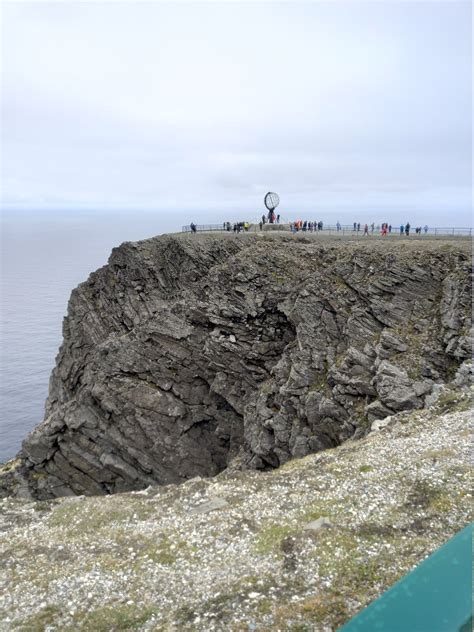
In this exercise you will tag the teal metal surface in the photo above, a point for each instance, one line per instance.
(434, 597)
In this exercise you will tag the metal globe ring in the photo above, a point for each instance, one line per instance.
(271, 201)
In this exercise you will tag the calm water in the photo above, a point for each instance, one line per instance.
(44, 255)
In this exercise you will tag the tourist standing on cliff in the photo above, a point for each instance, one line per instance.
(402, 228)
(366, 229)
(407, 229)
(338, 226)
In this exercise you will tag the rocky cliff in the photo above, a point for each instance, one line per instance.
(185, 355)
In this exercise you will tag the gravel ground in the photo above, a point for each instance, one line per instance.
(236, 552)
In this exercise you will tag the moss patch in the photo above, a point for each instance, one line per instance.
(270, 538)
(425, 496)
(79, 516)
(453, 401)
(39, 621)
(119, 617)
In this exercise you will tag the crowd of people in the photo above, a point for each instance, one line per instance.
(236, 227)
(385, 228)
(271, 218)
(310, 227)
(315, 226)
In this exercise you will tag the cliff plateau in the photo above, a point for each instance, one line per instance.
(187, 355)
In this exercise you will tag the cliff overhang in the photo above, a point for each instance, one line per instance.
(187, 355)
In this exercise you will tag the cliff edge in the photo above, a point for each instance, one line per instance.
(186, 355)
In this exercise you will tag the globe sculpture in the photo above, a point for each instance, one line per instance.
(271, 201)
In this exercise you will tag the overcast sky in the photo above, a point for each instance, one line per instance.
(340, 107)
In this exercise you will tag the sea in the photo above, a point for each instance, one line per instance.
(45, 255)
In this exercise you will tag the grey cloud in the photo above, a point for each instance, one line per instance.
(338, 105)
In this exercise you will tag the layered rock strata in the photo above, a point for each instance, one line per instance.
(187, 354)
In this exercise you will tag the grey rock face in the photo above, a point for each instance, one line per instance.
(210, 505)
(184, 355)
(317, 525)
(465, 374)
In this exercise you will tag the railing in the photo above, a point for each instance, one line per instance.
(333, 229)
(452, 231)
(204, 228)
(349, 229)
